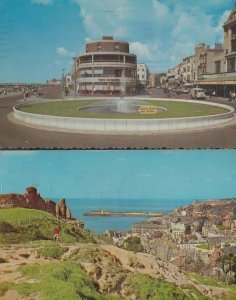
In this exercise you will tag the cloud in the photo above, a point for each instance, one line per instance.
(43, 2)
(161, 10)
(222, 20)
(62, 51)
(104, 17)
(141, 50)
(160, 32)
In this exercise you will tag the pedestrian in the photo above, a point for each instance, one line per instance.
(230, 95)
(213, 93)
(24, 96)
(56, 232)
(233, 96)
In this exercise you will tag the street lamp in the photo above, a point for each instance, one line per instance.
(75, 87)
(62, 80)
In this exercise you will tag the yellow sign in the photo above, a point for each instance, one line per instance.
(147, 109)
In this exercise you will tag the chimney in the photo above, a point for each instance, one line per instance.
(107, 38)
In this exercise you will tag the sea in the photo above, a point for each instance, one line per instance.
(100, 224)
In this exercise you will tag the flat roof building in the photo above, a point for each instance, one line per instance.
(107, 68)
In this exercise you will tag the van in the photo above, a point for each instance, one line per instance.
(197, 93)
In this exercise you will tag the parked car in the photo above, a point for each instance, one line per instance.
(184, 91)
(197, 93)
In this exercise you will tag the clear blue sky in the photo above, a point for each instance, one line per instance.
(199, 174)
(38, 38)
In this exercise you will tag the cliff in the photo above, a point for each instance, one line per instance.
(32, 199)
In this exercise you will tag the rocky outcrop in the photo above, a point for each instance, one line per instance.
(32, 199)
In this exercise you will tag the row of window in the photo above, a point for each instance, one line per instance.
(100, 48)
(107, 58)
(108, 72)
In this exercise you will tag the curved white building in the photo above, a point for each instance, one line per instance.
(107, 68)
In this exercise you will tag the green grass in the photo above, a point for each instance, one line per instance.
(52, 251)
(4, 286)
(21, 225)
(205, 280)
(174, 110)
(20, 216)
(146, 287)
(204, 246)
(54, 281)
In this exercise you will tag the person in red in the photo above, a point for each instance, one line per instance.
(56, 232)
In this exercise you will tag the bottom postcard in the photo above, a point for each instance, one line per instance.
(118, 224)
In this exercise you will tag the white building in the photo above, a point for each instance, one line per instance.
(143, 74)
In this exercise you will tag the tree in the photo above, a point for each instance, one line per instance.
(228, 264)
(133, 244)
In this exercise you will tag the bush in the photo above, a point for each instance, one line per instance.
(133, 244)
(6, 227)
(54, 251)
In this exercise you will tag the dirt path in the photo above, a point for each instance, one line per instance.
(147, 264)
(16, 256)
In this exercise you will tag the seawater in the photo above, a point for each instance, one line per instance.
(101, 224)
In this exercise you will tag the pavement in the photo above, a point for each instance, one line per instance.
(17, 136)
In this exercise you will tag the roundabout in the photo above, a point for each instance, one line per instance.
(122, 116)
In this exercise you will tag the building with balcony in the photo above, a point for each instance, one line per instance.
(107, 68)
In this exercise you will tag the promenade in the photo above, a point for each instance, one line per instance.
(13, 135)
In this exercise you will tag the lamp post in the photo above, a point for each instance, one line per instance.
(75, 87)
(62, 80)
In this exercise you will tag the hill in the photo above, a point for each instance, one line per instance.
(32, 199)
(84, 265)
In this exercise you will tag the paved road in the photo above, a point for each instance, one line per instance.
(18, 136)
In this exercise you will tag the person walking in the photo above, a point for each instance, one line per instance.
(230, 95)
(233, 96)
(56, 232)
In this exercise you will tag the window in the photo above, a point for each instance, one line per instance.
(117, 47)
(217, 66)
(99, 47)
(231, 64)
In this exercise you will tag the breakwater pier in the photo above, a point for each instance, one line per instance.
(108, 213)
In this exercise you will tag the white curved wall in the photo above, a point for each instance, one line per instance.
(124, 125)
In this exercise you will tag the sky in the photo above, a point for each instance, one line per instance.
(38, 38)
(185, 174)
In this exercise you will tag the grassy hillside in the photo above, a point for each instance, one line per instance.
(19, 216)
(19, 225)
(78, 267)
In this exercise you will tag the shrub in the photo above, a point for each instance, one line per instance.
(54, 251)
(6, 227)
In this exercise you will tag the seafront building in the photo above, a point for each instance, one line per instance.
(106, 68)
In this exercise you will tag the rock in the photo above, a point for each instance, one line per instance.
(68, 214)
(61, 209)
(32, 199)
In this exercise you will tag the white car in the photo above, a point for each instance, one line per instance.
(197, 93)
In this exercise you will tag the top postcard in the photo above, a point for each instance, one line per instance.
(117, 74)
